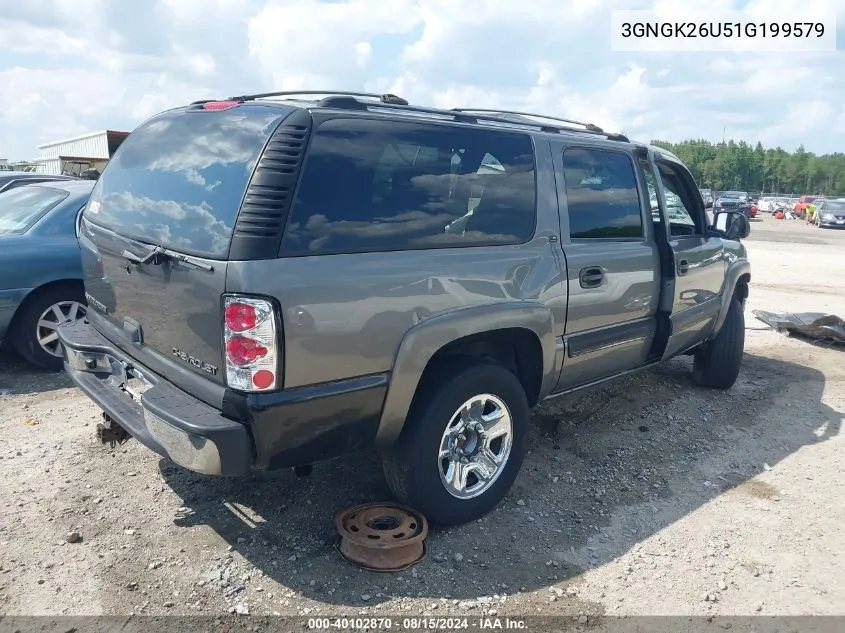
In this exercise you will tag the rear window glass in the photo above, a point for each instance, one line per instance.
(601, 194)
(179, 179)
(22, 207)
(386, 185)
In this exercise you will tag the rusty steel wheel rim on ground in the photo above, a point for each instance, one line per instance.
(382, 536)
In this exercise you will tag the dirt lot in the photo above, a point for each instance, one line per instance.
(645, 496)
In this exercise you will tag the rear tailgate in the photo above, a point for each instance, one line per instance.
(176, 184)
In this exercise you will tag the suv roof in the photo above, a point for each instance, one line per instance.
(390, 104)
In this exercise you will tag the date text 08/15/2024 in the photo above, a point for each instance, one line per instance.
(417, 624)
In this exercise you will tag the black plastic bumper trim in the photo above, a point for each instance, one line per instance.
(167, 420)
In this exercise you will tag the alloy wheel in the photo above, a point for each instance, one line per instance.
(47, 333)
(475, 446)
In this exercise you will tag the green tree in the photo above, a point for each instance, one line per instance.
(738, 165)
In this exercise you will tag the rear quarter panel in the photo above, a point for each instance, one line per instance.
(30, 263)
(346, 315)
(41, 261)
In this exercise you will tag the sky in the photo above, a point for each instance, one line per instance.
(69, 67)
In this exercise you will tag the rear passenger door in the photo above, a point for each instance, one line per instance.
(612, 264)
(699, 264)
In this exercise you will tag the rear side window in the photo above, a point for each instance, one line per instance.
(384, 185)
(601, 194)
(22, 207)
(179, 179)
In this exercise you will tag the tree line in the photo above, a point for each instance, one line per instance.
(739, 166)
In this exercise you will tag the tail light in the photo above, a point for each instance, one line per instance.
(251, 344)
(241, 317)
(216, 106)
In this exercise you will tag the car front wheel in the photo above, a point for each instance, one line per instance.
(717, 363)
(463, 445)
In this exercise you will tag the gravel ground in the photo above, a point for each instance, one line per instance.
(645, 496)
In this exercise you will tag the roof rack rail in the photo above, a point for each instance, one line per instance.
(383, 98)
(589, 127)
(495, 116)
(345, 99)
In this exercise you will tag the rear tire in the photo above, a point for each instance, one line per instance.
(36, 339)
(418, 467)
(716, 365)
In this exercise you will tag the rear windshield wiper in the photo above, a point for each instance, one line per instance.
(159, 253)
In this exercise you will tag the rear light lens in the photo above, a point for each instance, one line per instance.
(251, 344)
(243, 351)
(263, 378)
(219, 105)
(241, 317)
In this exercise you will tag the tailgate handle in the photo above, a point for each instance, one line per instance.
(591, 277)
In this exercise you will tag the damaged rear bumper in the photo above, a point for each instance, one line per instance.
(162, 417)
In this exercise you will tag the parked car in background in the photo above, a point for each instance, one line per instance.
(800, 207)
(40, 266)
(783, 204)
(707, 196)
(12, 179)
(788, 205)
(830, 213)
(770, 204)
(732, 201)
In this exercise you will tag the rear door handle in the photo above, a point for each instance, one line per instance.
(591, 277)
(683, 267)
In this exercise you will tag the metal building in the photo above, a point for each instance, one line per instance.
(78, 154)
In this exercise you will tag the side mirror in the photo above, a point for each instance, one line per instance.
(733, 225)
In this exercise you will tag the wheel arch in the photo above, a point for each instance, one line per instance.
(33, 294)
(518, 335)
(737, 281)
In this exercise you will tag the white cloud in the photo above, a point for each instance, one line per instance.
(800, 119)
(300, 44)
(363, 52)
(193, 12)
(68, 67)
(22, 38)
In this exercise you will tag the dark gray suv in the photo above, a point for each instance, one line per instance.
(279, 279)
